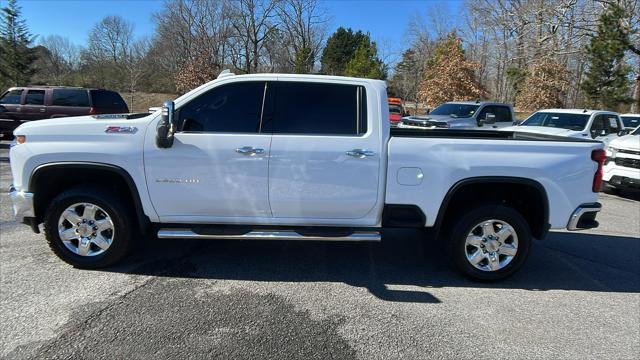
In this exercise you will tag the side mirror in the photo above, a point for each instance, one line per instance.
(489, 118)
(623, 132)
(428, 111)
(165, 128)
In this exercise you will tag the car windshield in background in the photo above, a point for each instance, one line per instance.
(11, 97)
(636, 131)
(630, 121)
(395, 109)
(455, 110)
(558, 120)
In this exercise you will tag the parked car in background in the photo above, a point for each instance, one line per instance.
(630, 121)
(463, 115)
(21, 104)
(577, 123)
(396, 111)
(622, 165)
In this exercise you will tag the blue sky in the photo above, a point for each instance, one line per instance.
(386, 20)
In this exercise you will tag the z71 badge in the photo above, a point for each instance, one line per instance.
(121, 130)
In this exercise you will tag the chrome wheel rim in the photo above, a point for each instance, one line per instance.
(491, 245)
(86, 229)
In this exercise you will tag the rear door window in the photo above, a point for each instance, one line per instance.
(11, 97)
(319, 109)
(34, 97)
(70, 97)
(107, 99)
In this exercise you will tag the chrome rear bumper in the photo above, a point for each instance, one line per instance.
(584, 217)
(22, 203)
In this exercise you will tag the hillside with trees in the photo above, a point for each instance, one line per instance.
(534, 53)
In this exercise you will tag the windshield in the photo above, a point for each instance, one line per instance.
(630, 121)
(395, 109)
(558, 120)
(455, 110)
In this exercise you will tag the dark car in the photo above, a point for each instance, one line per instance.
(21, 104)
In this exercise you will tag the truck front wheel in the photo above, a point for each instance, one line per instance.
(89, 227)
(489, 243)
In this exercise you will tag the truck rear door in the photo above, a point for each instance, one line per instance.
(325, 158)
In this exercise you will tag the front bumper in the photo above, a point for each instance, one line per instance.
(22, 204)
(624, 182)
(584, 217)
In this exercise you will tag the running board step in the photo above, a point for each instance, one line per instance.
(268, 235)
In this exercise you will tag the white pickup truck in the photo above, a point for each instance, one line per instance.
(296, 157)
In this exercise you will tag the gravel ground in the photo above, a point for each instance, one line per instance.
(576, 298)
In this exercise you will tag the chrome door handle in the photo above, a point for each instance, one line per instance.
(249, 150)
(360, 153)
(43, 110)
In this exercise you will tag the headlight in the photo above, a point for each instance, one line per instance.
(611, 152)
(17, 140)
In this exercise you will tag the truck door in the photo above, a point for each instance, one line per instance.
(503, 115)
(324, 162)
(217, 168)
(10, 104)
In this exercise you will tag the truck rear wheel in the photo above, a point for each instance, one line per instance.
(89, 227)
(490, 243)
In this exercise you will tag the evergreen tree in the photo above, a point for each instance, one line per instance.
(303, 63)
(448, 75)
(607, 84)
(406, 78)
(365, 62)
(340, 49)
(16, 56)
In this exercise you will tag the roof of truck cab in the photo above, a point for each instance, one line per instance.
(230, 77)
(478, 103)
(577, 111)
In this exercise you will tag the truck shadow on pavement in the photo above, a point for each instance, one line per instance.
(564, 261)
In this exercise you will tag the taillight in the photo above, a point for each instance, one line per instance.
(598, 156)
(92, 111)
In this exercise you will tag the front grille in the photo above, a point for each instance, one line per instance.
(626, 162)
(429, 123)
(629, 151)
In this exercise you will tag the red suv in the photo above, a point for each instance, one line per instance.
(21, 104)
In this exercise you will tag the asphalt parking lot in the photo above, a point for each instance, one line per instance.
(577, 297)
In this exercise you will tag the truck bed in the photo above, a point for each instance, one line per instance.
(482, 134)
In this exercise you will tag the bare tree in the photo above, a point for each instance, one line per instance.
(111, 38)
(58, 61)
(134, 64)
(304, 25)
(252, 21)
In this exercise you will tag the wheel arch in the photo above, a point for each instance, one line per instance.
(535, 191)
(46, 181)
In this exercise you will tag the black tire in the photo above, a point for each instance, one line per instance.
(119, 211)
(458, 234)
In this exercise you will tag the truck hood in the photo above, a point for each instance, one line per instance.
(544, 130)
(77, 123)
(65, 121)
(627, 142)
